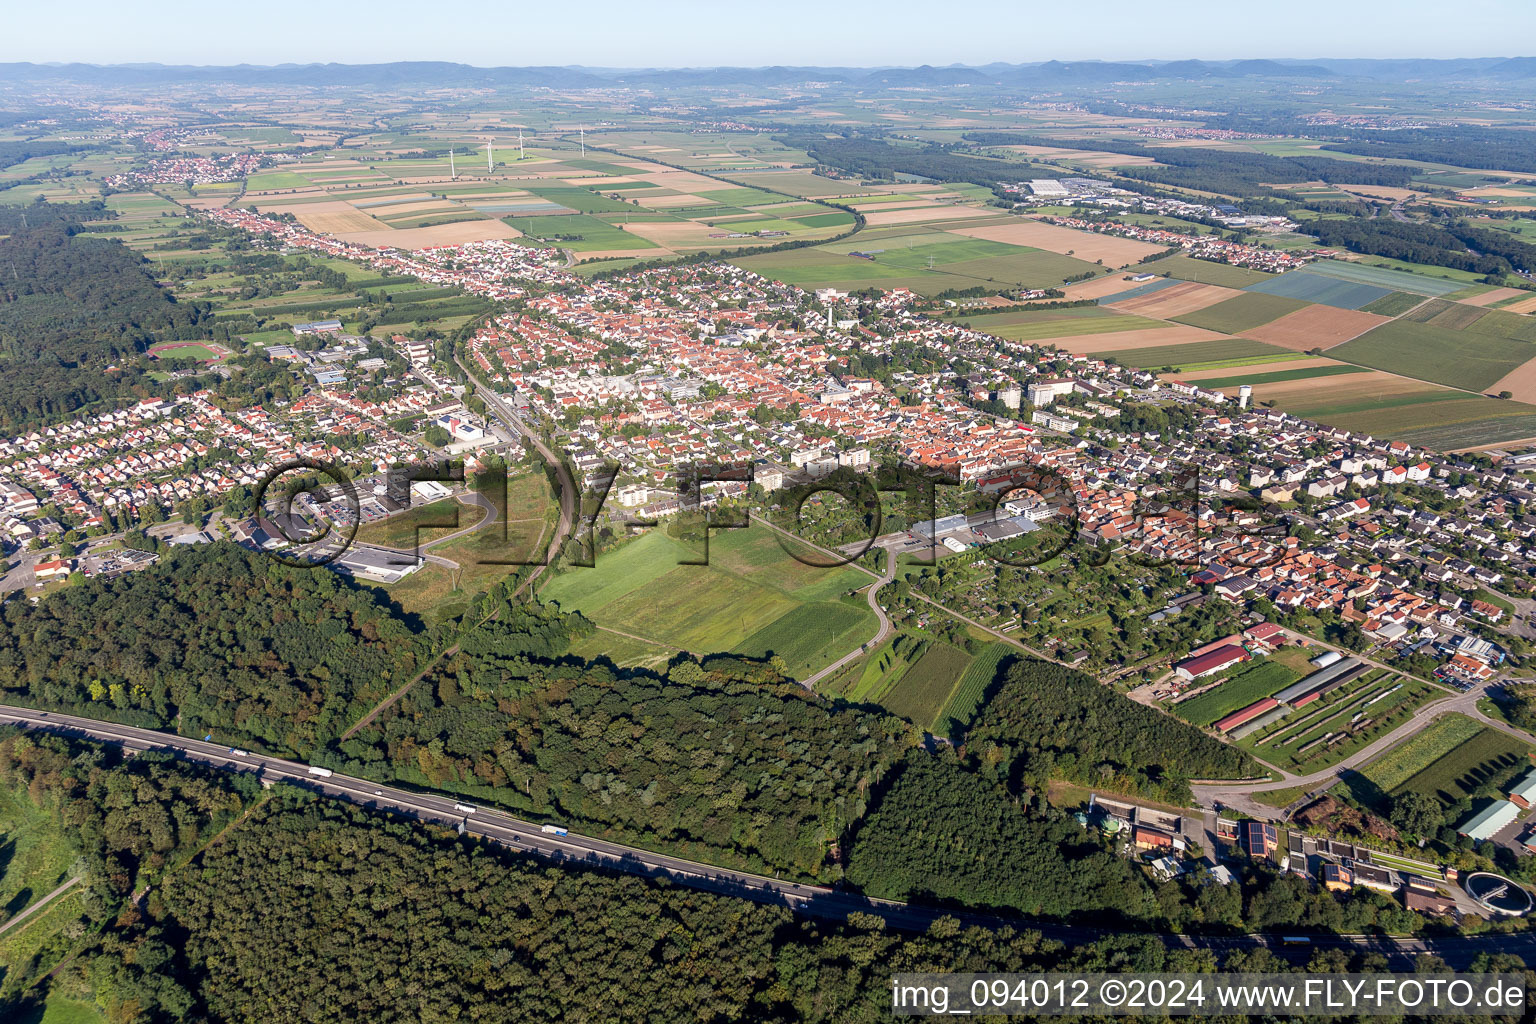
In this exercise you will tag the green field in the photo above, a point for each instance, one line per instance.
(751, 598)
(956, 263)
(1239, 313)
(35, 856)
(580, 232)
(1063, 327)
(1251, 682)
(1202, 352)
(966, 699)
(1394, 304)
(1186, 268)
(267, 180)
(924, 689)
(1483, 764)
(1413, 755)
(1277, 376)
(1459, 359)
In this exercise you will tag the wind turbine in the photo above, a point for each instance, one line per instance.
(520, 144)
(453, 175)
(489, 167)
(583, 142)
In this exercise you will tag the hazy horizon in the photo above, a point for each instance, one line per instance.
(900, 33)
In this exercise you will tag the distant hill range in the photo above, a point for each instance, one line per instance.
(1041, 75)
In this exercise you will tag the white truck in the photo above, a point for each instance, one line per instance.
(324, 773)
(464, 809)
(237, 752)
(555, 830)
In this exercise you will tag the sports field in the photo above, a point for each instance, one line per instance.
(751, 598)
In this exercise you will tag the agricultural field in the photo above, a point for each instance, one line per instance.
(1322, 289)
(1386, 278)
(924, 688)
(1315, 326)
(1392, 304)
(926, 263)
(1187, 268)
(966, 700)
(1396, 766)
(1185, 355)
(1477, 765)
(1460, 359)
(751, 598)
(1246, 684)
(1344, 721)
(1047, 325)
(1238, 314)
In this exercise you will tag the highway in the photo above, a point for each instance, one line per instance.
(818, 901)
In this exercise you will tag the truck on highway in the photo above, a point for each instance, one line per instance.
(236, 751)
(556, 830)
(324, 773)
(464, 809)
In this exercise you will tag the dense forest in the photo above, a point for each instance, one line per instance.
(72, 309)
(1455, 244)
(276, 906)
(728, 761)
(943, 832)
(1501, 149)
(1229, 172)
(874, 159)
(12, 153)
(211, 639)
(1050, 721)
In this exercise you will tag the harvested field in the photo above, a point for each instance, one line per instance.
(1384, 192)
(1519, 382)
(1356, 392)
(442, 234)
(924, 214)
(1185, 297)
(1115, 252)
(1315, 327)
(1523, 306)
(667, 202)
(1124, 341)
(1488, 298)
(1097, 288)
(1226, 372)
(337, 218)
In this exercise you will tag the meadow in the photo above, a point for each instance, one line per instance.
(751, 598)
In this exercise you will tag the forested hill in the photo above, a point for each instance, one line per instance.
(73, 307)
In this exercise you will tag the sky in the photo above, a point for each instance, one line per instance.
(688, 33)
